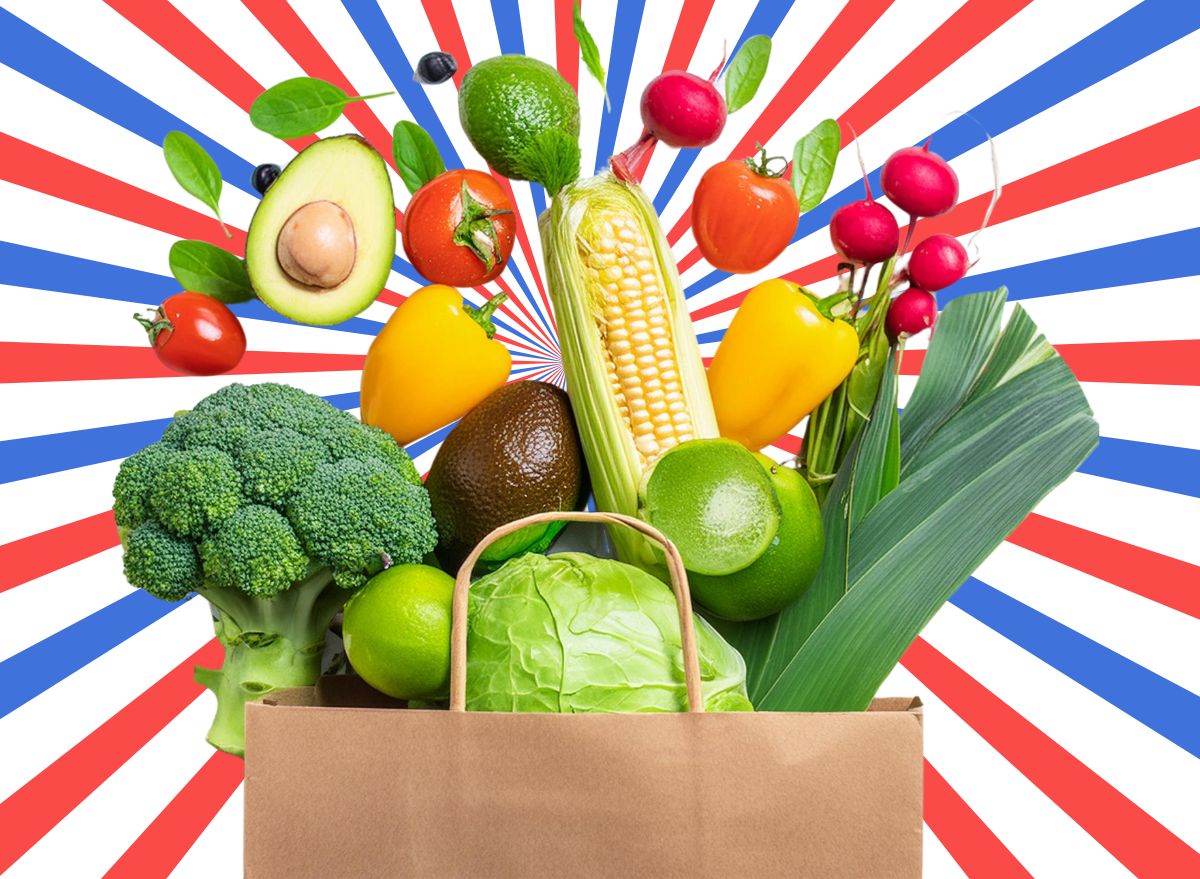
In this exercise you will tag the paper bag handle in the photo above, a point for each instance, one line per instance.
(679, 585)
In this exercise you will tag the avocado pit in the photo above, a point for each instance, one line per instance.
(316, 246)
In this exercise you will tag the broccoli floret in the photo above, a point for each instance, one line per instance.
(358, 516)
(131, 490)
(255, 551)
(157, 561)
(195, 490)
(259, 499)
(366, 441)
(274, 463)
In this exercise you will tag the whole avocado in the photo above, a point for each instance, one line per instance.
(515, 454)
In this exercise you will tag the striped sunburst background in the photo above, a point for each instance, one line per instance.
(1063, 730)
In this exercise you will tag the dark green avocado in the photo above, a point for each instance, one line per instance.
(515, 454)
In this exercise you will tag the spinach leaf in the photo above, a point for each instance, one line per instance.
(417, 157)
(208, 269)
(813, 160)
(590, 53)
(746, 72)
(194, 170)
(301, 106)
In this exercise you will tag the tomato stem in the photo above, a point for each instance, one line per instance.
(476, 231)
(154, 325)
(760, 164)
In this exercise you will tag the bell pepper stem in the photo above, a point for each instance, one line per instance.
(483, 314)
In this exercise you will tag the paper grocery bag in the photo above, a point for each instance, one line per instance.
(341, 782)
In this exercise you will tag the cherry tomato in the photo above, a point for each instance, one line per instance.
(195, 334)
(459, 228)
(742, 215)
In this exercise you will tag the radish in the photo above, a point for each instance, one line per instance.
(937, 262)
(919, 182)
(680, 109)
(864, 232)
(912, 312)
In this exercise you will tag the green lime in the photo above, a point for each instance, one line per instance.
(397, 631)
(715, 502)
(506, 103)
(785, 570)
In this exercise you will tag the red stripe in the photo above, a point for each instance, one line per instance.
(446, 31)
(566, 47)
(163, 844)
(789, 443)
(448, 34)
(1151, 150)
(48, 551)
(688, 28)
(283, 23)
(1168, 581)
(968, 27)
(1135, 839)
(968, 840)
(46, 362)
(42, 171)
(172, 30)
(1140, 363)
(48, 797)
(843, 33)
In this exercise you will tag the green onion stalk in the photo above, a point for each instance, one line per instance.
(836, 423)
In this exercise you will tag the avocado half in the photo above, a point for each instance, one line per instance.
(348, 172)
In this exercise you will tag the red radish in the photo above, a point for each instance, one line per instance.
(919, 182)
(683, 110)
(937, 262)
(680, 109)
(912, 312)
(864, 232)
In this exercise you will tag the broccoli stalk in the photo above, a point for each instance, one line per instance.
(275, 506)
(270, 644)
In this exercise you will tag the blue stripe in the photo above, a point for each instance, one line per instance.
(31, 456)
(427, 442)
(620, 59)
(1125, 40)
(374, 27)
(765, 19)
(507, 17)
(39, 667)
(1169, 468)
(1131, 262)
(1165, 707)
(22, 266)
(29, 51)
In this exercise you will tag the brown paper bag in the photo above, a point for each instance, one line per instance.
(339, 783)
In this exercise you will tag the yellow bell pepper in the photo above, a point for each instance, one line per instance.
(432, 362)
(779, 359)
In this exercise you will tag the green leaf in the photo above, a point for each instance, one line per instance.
(551, 159)
(746, 72)
(417, 158)
(194, 170)
(208, 269)
(301, 106)
(813, 160)
(590, 54)
(1003, 426)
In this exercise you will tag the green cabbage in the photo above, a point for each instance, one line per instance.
(574, 633)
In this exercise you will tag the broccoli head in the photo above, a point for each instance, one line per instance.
(274, 505)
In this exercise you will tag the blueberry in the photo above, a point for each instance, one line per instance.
(263, 177)
(436, 67)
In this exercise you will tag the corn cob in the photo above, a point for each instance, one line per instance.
(633, 368)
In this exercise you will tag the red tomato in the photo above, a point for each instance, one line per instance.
(195, 334)
(742, 217)
(459, 228)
